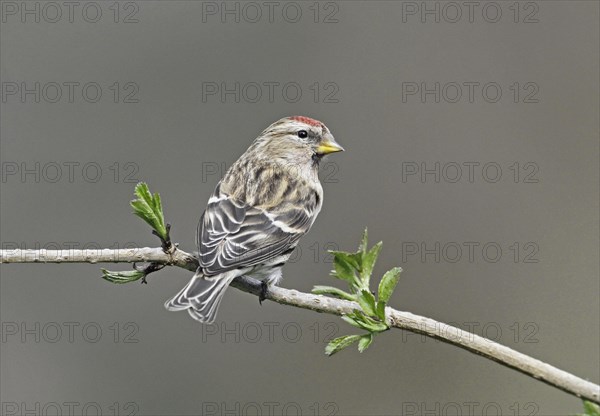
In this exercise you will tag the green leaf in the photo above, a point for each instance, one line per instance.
(353, 259)
(380, 309)
(142, 191)
(368, 262)
(591, 409)
(364, 241)
(388, 284)
(366, 300)
(344, 267)
(340, 343)
(122, 277)
(158, 209)
(360, 320)
(372, 325)
(149, 208)
(352, 321)
(364, 342)
(333, 291)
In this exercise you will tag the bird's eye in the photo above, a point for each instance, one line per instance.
(303, 134)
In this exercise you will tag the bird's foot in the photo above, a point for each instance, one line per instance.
(264, 289)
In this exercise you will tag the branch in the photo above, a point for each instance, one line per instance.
(176, 257)
(397, 319)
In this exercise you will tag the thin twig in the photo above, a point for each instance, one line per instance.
(397, 319)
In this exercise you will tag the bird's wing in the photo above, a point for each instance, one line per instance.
(233, 235)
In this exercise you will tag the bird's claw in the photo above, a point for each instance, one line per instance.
(264, 289)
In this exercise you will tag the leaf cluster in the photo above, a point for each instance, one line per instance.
(149, 208)
(356, 269)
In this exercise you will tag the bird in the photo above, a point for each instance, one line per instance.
(265, 202)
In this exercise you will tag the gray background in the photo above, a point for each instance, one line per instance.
(177, 367)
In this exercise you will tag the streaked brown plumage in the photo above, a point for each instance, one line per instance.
(267, 200)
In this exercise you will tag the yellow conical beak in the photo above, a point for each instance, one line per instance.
(329, 145)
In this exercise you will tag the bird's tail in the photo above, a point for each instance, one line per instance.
(202, 296)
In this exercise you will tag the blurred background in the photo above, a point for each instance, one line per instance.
(471, 135)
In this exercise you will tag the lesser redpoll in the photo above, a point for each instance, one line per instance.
(266, 201)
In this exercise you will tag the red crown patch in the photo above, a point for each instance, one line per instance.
(307, 120)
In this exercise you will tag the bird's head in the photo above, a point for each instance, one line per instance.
(298, 140)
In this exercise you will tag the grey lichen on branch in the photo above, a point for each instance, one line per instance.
(178, 258)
